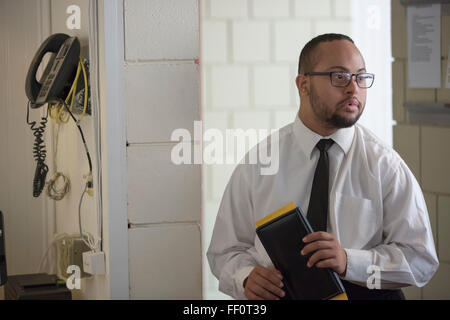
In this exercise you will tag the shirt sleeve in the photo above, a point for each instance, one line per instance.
(231, 254)
(407, 255)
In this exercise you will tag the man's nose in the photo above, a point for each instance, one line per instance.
(352, 86)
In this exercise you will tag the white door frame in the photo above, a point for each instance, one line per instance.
(111, 39)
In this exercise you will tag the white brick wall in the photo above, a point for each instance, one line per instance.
(153, 108)
(161, 29)
(313, 9)
(290, 37)
(272, 84)
(228, 9)
(327, 26)
(215, 34)
(165, 262)
(250, 41)
(266, 9)
(158, 190)
(164, 200)
(342, 8)
(229, 86)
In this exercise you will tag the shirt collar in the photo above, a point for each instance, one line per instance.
(308, 139)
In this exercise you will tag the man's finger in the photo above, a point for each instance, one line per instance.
(320, 235)
(271, 287)
(316, 245)
(263, 293)
(327, 263)
(277, 272)
(320, 255)
(271, 275)
(251, 295)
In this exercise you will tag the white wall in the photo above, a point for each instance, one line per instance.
(21, 31)
(164, 200)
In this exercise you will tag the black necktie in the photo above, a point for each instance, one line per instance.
(318, 202)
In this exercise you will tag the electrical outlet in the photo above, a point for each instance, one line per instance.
(70, 252)
(94, 262)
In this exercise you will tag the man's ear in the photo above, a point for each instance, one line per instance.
(302, 84)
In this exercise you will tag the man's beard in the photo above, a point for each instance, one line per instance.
(334, 120)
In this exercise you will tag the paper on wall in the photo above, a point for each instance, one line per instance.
(424, 46)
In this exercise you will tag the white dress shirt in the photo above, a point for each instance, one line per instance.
(376, 209)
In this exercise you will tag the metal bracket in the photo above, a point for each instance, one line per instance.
(428, 112)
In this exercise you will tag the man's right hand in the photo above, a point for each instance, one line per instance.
(264, 284)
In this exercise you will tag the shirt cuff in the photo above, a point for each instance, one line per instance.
(357, 263)
(240, 276)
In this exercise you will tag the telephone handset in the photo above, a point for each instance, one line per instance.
(59, 72)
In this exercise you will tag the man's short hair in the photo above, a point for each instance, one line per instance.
(306, 61)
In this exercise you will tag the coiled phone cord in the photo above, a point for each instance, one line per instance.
(39, 153)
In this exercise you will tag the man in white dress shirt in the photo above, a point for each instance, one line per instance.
(376, 216)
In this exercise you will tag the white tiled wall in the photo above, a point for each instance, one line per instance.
(162, 93)
(161, 30)
(255, 50)
(165, 262)
(290, 37)
(161, 97)
(154, 183)
(266, 9)
(229, 87)
(425, 149)
(313, 9)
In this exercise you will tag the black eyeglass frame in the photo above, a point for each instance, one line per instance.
(330, 74)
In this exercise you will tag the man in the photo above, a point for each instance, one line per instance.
(354, 188)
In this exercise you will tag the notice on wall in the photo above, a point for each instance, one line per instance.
(424, 46)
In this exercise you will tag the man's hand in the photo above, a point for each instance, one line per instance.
(264, 284)
(328, 252)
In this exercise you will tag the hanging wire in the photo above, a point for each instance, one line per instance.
(39, 152)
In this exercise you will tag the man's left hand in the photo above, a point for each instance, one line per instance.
(328, 252)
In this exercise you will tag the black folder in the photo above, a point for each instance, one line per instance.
(281, 234)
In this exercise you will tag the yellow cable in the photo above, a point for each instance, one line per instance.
(85, 91)
(74, 84)
(74, 87)
(60, 113)
(71, 95)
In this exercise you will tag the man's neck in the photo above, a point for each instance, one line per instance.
(315, 125)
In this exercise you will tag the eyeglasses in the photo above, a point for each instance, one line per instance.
(342, 79)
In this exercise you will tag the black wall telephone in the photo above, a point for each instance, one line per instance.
(53, 87)
(60, 71)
